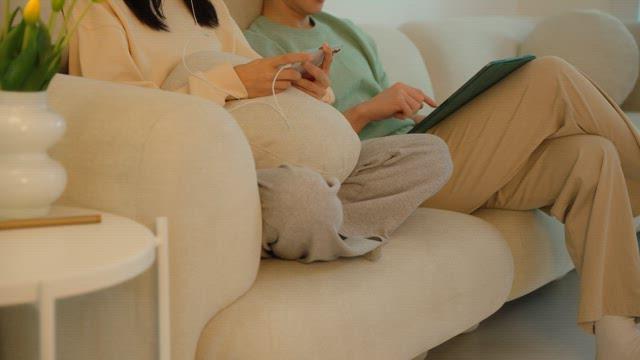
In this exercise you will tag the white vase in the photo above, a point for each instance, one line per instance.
(30, 181)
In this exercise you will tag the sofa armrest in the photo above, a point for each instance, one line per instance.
(633, 101)
(146, 153)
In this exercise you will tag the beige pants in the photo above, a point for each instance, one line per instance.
(547, 137)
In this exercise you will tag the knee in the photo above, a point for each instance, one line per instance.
(435, 158)
(598, 149)
(551, 65)
(293, 196)
(596, 154)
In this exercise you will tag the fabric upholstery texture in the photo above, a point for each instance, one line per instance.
(537, 245)
(244, 11)
(441, 273)
(635, 118)
(144, 154)
(446, 46)
(632, 102)
(596, 43)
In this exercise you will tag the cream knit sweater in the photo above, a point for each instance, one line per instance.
(113, 45)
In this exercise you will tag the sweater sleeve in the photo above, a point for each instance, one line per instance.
(102, 53)
(101, 50)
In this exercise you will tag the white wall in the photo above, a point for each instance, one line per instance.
(400, 11)
(627, 10)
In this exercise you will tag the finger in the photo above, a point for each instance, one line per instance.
(415, 105)
(319, 75)
(312, 87)
(430, 101)
(328, 58)
(290, 75)
(312, 94)
(290, 58)
(405, 107)
(421, 95)
(283, 85)
(416, 94)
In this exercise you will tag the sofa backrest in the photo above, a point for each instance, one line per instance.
(397, 12)
(400, 58)
(244, 11)
(456, 48)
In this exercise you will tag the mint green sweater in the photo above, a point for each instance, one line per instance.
(356, 74)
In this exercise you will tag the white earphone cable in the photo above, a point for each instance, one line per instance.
(277, 106)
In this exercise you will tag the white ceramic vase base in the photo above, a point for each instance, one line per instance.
(30, 181)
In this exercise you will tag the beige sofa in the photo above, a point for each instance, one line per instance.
(143, 153)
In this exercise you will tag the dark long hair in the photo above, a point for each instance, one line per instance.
(151, 14)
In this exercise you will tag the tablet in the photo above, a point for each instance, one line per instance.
(488, 76)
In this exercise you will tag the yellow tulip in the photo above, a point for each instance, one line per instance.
(31, 13)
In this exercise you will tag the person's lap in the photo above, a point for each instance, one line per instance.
(492, 137)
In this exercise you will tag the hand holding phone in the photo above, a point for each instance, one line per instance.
(317, 58)
(315, 74)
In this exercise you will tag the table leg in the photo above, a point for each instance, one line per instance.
(47, 316)
(162, 259)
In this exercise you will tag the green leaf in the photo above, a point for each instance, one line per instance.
(44, 43)
(13, 15)
(42, 74)
(23, 64)
(53, 70)
(10, 46)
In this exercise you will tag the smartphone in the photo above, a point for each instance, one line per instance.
(317, 58)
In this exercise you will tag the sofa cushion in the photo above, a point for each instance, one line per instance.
(596, 43)
(295, 129)
(441, 273)
(400, 58)
(537, 244)
(455, 49)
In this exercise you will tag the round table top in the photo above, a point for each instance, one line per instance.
(73, 259)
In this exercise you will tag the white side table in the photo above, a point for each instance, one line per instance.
(41, 265)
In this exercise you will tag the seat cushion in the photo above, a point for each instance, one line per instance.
(441, 273)
(537, 245)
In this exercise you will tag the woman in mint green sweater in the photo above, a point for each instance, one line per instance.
(356, 74)
(546, 136)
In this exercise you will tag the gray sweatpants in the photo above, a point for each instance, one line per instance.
(309, 218)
